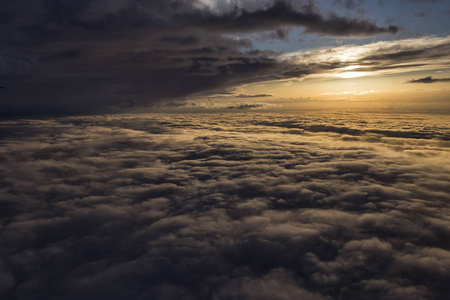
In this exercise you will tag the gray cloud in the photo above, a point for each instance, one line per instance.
(247, 106)
(97, 56)
(350, 4)
(253, 96)
(428, 79)
(423, 14)
(424, 1)
(283, 14)
(207, 206)
(202, 105)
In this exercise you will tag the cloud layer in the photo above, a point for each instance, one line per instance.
(338, 206)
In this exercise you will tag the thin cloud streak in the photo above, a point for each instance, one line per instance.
(400, 56)
(253, 96)
(428, 79)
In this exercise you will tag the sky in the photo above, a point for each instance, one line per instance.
(221, 150)
(97, 56)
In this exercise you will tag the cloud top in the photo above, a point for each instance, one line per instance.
(211, 206)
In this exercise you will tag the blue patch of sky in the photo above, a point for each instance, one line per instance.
(405, 14)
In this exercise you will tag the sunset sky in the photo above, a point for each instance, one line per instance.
(69, 57)
(225, 150)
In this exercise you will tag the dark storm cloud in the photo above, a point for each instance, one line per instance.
(63, 55)
(212, 207)
(281, 13)
(97, 55)
(428, 79)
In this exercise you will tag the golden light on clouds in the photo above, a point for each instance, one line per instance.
(379, 58)
(351, 74)
(377, 71)
(375, 75)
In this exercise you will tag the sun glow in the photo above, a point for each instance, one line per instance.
(351, 74)
(352, 61)
(348, 68)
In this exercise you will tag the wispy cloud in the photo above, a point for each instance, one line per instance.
(428, 79)
(253, 96)
(218, 105)
(387, 57)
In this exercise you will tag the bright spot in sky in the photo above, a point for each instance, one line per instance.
(348, 73)
(348, 68)
(351, 74)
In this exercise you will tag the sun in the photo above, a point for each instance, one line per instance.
(350, 72)
(346, 75)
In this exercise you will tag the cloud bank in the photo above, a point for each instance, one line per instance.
(206, 206)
